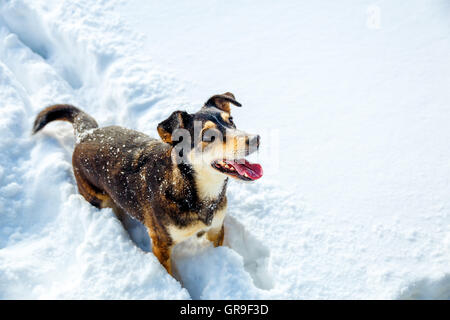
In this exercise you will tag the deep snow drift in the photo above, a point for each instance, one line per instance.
(357, 208)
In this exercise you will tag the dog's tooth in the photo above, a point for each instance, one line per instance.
(246, 175)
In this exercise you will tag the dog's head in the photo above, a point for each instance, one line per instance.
(209, 139)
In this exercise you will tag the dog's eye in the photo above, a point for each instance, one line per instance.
(208, 137)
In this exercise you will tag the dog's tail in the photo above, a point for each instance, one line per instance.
(80, 120)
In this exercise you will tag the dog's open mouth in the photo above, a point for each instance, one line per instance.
(240, 169)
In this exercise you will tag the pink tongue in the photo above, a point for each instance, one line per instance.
(253, 170)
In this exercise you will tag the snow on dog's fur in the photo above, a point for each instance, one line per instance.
(151, 180)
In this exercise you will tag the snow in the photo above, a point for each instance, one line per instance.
(351, 100)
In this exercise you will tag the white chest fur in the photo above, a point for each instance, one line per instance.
(179, 234)
(209, 184)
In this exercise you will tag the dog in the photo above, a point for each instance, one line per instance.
(175, 186)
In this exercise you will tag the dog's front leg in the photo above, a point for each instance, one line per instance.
(216, 236)
(161, 242)
(162, 251)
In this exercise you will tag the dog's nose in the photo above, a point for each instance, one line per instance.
(253, 141)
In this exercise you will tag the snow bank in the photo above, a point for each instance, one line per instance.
(53, 244)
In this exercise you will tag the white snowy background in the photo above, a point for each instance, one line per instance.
(351, 99)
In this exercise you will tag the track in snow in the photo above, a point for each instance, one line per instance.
(50, 66)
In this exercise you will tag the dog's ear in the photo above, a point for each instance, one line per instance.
(222, 101)
(177, 120)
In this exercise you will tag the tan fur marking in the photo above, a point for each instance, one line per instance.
(165, 136)
(216, 236)
(94, 197)
(161, 244)
(179, 235)
(209, 125)
(225, 116)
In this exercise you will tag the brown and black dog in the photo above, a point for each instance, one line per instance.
(175, 187)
